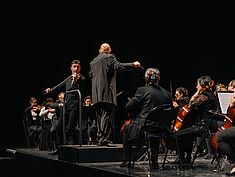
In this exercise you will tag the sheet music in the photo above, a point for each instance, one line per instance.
(224, 100)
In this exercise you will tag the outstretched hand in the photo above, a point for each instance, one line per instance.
(137, 64)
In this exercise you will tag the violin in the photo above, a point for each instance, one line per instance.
(228, 123)
(36, 108)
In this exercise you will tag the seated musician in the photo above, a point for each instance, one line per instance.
(89, 126)
(32, 122)
(145, 99)
(226, 137)
(202, 102)
(47, 113)
(185, 141)
(181, 98)
(56, 130)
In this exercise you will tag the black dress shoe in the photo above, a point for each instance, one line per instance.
(123, 164)
(53, 152)
(110, 144)
(230, 174)
(106, 143)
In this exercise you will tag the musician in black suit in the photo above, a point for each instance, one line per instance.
(32, 122)
(73, 82)
(103, 79)
(145, 99)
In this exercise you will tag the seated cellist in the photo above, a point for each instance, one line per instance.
(202, 101)
(185, 141)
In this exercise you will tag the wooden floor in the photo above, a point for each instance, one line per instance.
(37, 163)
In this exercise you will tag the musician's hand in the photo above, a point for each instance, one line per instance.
(175, 104)
(196, 94)
(75, 76)
(52, 110)
(36, 108)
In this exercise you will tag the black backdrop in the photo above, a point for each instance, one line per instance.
(38, 44)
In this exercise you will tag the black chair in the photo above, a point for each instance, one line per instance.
(219, 161)
(26, 132)
(203, 132)
(157, 126)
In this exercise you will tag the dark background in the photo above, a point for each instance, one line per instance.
(38, 44)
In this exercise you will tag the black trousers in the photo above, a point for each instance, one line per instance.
(186, 146)
(225, 140)
(105, 122)
(71, 122)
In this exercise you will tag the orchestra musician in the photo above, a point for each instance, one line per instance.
(145, 99)
(47, 114)
(89, 126)
(73, 82)
(181, 98)
(201, 102)
(56, 130)
(185, 141)
(226, 137)
(32, 122)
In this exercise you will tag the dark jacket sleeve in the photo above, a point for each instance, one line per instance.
(118, 65)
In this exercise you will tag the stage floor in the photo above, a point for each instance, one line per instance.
(201, 167)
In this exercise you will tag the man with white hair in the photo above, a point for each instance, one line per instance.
(103, 78)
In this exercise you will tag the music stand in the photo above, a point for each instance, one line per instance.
(224, 101)
(224, 98)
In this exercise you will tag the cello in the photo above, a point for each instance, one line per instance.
(186, 109)
(228, 123)
(180, 118)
